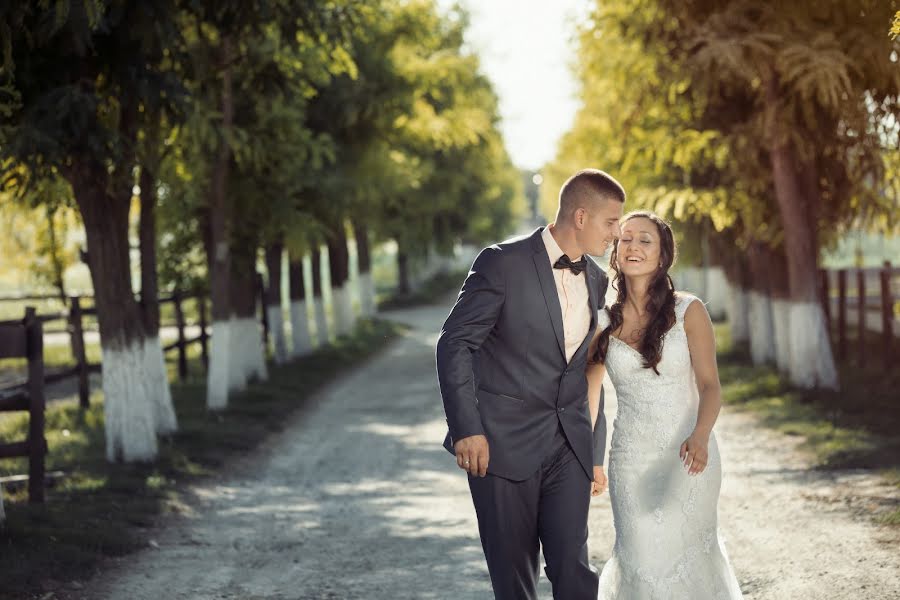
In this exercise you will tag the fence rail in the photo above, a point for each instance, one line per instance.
(74, 319)
(864, 298)
(24, 339)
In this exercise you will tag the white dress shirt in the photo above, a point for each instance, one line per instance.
(573, 298)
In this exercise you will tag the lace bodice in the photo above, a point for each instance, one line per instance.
(650, 404)
(674, 367)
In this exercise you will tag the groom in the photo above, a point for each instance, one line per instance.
(511, 364)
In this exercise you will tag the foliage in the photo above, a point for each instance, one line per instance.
(673, 105)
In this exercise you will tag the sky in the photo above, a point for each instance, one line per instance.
(526, 47)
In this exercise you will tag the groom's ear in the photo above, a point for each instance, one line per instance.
(579, 217)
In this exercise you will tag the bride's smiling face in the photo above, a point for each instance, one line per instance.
(638, 249)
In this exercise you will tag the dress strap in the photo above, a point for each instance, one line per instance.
(682, 301)
(603, 319)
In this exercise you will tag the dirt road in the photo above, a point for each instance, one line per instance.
(356, 499)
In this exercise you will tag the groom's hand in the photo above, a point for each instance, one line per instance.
(598, 486)
(473, 454)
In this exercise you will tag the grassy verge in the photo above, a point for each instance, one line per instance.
(100, 509)
(855, 427)
(430, 291)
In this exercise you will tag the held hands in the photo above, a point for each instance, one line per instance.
(598, 486)
(694, 452)
(473, 455)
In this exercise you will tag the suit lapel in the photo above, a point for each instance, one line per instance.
(591, 279)
(548, 287)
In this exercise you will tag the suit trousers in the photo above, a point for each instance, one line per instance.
(549, 509)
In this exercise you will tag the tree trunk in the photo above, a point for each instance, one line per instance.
(403, 283)
(737, 304)
(779, 285)
(762, 332)
(220, 259)
(274, 253)
(364, 262)
(812, 363)
(318, 300)
(249, 357)
(299, 317)
(129, 415)
(161, 394)
(339, 268)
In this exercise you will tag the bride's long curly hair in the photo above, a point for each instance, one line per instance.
(660, 301)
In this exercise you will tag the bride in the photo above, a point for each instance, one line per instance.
(664, 467)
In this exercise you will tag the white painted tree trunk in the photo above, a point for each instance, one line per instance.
(218, 378)
(237, 355)
(300, 329)
(762, 334)
(255, 350)
(247, 354)
(367, 294)
(811, 362)
(716, 292)
(158, 388)
(276, 333)
(321, 322)
(691, 279)
(130, 416)
(343, 309)
(738, 314)
(782, 325)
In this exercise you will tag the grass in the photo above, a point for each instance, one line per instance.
(101, 509)
(854, 427)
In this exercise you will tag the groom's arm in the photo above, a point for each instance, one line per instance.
(471, 320)
(599, 437)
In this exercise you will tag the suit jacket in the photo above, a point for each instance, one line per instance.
(501, 360)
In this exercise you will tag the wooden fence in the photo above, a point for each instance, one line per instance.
(870, 309)
(75, 316)
(24, 339)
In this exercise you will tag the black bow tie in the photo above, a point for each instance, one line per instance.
(565, 262)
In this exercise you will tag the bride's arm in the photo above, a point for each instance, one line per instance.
(594, 373)
(702, 345)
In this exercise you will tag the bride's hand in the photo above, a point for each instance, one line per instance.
(694, 452)
(598, 486)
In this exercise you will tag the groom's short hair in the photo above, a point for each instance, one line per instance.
(585, 188)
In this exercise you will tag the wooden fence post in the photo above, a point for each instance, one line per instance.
(76, 335)
(842, 313)
(887, 314)
(201, 307)
(182, 347)
(861, 316)
(37, 445)
(826, 299)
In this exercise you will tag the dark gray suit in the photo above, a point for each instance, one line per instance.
(503, 373)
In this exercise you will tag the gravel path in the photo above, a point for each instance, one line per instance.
(356, 499)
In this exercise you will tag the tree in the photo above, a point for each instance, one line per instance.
(773, 124)
(255, 66)
(81, 122)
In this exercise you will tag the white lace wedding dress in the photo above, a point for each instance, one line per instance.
(668, 546)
